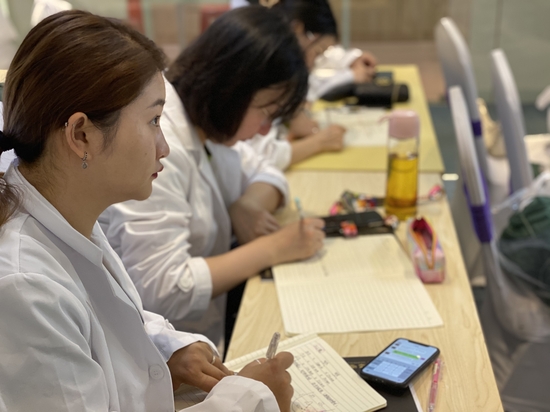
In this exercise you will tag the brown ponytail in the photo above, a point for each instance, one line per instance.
(72, 62)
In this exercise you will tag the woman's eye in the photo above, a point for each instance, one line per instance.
(156, 121)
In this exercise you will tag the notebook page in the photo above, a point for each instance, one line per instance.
(379, 256)
(363, 126)
(362, 284)
(322, 380)
(354, 306)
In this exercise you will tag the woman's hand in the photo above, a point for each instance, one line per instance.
(298, 240)
(331, 139)
(193, 366)
(302, 125)
(250, 220)
(364, 68)
(273, 373)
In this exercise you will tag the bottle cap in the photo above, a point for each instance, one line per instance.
(403, 124)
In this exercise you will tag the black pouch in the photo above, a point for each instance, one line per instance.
(368, 223)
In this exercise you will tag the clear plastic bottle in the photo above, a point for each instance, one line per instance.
(402, 182)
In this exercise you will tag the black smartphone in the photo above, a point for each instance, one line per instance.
(397, 365)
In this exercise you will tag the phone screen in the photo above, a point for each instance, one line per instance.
(399, 361)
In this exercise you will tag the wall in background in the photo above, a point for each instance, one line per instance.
(520, 28)
(381, 20)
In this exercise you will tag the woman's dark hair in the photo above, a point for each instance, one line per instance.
(71, 62)
(242, 52)
(316, 15)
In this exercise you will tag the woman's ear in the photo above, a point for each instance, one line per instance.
(79, 134)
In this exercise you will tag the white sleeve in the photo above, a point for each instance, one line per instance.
(337, 58)
(44, 334)
(152, 240)
(167, 339)
(238, 394)
(277, 151)
(256, 168)
(318, 85)
(238, 3)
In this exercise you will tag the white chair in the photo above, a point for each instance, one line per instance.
(456, 63)
(516, 323)
(511, 120)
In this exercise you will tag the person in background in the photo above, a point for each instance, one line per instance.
(73, 333)
(242, 72)
(315, 27)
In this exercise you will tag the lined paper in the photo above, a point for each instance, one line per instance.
(321, 379)
(362, 284)
(363, 126)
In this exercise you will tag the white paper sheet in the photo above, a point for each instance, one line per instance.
(363, 125)
(362, 284)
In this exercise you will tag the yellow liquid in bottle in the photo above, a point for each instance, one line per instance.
(402, 185)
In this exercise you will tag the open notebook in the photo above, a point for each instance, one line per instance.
(366, 283)
(321, 379)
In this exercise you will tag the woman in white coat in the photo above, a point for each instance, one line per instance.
(331, 66)
(246, 69)
(73, 334)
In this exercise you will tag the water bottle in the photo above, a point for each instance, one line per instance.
(402, 182)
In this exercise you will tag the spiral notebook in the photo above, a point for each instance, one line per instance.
(322, 380)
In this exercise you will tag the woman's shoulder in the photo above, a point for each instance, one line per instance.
(27, 253)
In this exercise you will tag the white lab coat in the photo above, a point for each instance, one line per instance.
(332, 69)
(163, 240)
(274, 146)
(73, 334)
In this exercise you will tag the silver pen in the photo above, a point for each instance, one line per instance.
(272, 348)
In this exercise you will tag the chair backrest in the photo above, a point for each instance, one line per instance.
(456, 63)
(517, 308)
(471, 171)
(511, 120)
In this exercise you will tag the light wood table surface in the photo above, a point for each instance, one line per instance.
(468, 384)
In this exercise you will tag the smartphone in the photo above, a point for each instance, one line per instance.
(397, 365)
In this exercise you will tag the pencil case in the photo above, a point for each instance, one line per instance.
(425, 251)
(366, 223)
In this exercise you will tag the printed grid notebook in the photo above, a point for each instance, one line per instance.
(322, 380)
(362, 284)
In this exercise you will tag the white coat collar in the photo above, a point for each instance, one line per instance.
(92, 250)
(43, 211)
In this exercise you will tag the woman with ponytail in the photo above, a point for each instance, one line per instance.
(82, 105)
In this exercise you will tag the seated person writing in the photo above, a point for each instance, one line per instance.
(315, 27)
(242, 72)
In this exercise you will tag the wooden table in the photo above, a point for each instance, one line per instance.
(468, 384)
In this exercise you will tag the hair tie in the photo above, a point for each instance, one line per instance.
(5, 142)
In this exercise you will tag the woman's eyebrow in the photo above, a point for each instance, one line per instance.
(158, 102)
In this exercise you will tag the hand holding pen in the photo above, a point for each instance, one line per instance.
(272, 371)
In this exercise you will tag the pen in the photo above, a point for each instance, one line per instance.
(436, 376)
(299, 207)
(272, 348)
